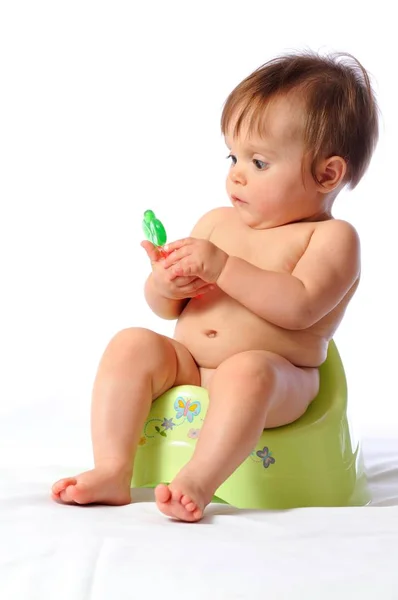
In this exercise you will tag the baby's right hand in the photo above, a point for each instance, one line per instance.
(175, 289)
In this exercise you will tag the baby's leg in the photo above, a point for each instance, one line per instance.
(137, 366)
(248, 392)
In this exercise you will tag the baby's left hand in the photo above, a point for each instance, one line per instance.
(195, 257)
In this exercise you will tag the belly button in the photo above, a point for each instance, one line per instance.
(211, 333)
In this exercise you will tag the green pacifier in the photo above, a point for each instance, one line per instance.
(153, 229)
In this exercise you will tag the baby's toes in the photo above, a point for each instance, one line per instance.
(197, 513)
(176, 495)
(81, 493)
(67, 495)
(187, 503)
(163, 499)
(69, 491)
(186, 508)
(191, 507)
(162, 494)
(62, 484)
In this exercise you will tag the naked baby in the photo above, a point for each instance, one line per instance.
(258, 289)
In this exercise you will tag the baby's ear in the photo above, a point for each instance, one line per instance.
(330, 173)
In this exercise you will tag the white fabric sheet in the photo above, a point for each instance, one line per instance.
(49, 551)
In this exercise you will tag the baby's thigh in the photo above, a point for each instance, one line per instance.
(280, 390)
(206, 375)
(187, 371)
(149, 353)
(293, 390)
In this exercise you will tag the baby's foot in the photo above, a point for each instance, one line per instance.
(101, 486)
(183, 499)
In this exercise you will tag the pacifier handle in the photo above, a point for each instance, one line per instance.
(154, 231)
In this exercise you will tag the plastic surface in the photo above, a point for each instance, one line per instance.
(311, 462)
(153, 229)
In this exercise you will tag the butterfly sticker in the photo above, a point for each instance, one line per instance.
(266, 457)
(186, 408)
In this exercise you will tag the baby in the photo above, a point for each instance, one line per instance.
(258, 289)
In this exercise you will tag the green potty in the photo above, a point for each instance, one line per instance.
(311, 462)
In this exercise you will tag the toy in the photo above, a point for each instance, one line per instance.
(154, 229)
(155, 232)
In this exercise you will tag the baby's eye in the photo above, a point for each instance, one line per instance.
(233, 158)
(260, 164)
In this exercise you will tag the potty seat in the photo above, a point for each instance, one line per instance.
(311, 462)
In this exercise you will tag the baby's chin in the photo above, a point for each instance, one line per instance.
(258, 221)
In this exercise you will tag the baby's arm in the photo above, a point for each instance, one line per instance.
(165, 308)
(322, 277)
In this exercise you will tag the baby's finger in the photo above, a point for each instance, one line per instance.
(151, 250)
(183, 281)
(176, 255)
(197, 286)
(179, 271)
(178, 244)
(208, 287)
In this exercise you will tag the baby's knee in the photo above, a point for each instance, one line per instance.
(132, 334)
(249, 370)
(136, 342)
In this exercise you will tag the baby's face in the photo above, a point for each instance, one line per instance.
(269, 181)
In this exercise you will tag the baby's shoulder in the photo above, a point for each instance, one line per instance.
(209, 221)
(337, 231)
(337, 243)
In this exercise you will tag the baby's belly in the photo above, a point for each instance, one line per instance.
(213, 329)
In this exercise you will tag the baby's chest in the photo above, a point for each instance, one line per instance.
(271, 250)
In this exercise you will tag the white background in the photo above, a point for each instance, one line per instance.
(110, 108)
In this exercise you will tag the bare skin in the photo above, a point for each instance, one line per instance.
(121, 400)
(234, 336)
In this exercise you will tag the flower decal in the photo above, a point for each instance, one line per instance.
(193, 433)
(168, 424)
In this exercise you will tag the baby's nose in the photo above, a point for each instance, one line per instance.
(238, 176)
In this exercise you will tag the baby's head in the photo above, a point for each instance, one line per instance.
(299, 128)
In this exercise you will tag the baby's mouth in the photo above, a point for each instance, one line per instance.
(239, 200)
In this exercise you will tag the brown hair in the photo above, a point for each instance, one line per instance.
(341, 110)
